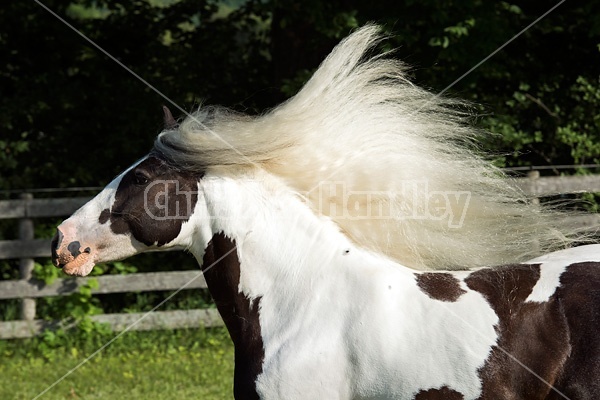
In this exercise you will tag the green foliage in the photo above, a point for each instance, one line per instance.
(81, 304)
(49, 342)
(452, 32)
(78, 305)
(581, 131)
(10, 151)
(252, 54)
(76, 308)
(114, 268)
(555, 132)
(291, 86)
(46, 272)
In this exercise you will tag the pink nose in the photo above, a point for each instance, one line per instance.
(63, 254)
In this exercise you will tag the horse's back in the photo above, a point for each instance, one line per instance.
(590, 252)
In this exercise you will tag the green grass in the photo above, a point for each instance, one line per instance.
(185, 364)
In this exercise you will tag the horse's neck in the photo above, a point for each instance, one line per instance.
(284, 273)
(269, 257)
(278, 240)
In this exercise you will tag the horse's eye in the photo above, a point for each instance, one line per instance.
(141, 178)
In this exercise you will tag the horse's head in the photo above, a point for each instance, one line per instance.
(144, 208)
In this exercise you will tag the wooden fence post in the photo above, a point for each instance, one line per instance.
(26, 264)
(533, 175)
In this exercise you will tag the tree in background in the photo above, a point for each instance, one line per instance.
(70, 116)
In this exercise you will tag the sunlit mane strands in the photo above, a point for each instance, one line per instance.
(359, 125)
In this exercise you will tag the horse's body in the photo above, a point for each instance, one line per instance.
(313, 315)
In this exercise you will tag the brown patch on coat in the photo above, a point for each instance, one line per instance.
(534, 335)
(152, 202)
(443, 393)
(440, 286)
(579, 295)
(241, 316)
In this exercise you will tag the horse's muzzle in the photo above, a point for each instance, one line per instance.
(70, 255)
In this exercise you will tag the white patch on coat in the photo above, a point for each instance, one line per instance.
(554, 264)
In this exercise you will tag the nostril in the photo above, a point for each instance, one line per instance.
(73, 248)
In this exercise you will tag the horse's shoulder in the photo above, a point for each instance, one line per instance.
(579, 298)
(579, 292)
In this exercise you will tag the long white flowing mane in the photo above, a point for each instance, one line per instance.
(392, 164)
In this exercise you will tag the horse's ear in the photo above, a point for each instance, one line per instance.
(170, 122)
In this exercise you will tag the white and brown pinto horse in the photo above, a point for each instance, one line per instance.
(315, 315)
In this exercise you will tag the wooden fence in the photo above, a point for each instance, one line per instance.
(27, 247)
(555, 185)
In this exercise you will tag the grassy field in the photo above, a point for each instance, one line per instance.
(186, 364)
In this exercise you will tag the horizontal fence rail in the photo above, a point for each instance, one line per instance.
(26, 248)
(28, 289)
(199, 318)
(38, 208)
(554, 185)
(141, 282)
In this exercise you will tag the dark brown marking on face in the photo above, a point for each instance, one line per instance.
(440, 286)
(104, 216)
(152, 202)
(443, 393)
(579, 295)
(241, 316)
(535, 334)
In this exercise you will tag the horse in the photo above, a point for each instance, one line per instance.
(357, 246)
